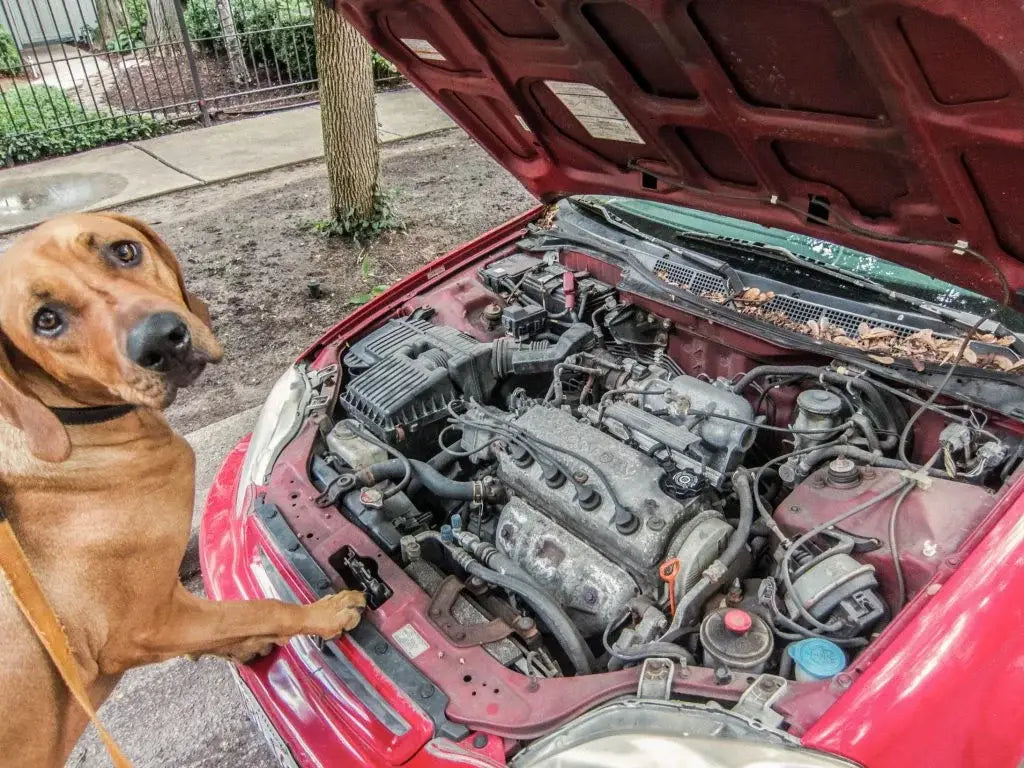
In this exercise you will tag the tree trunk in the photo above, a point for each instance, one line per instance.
(163, 24)
(233, 46)
(348, 114)
(110, 17)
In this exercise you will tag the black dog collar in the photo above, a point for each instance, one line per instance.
(93, 414)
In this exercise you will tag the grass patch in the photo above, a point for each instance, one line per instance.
(39, 121)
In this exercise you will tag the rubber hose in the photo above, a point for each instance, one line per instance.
(738, 539)
(741, 484)
(865, 387)
(432, 480)
(815, 458)
(440, 461)
(550, 612)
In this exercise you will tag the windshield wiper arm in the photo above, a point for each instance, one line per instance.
(732, 277)
(955, 318)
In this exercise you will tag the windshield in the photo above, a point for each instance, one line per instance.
(683, 221)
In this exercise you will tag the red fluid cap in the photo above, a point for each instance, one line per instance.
(569, 289)
(737, 621)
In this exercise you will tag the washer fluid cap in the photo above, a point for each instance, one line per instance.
(816, 658)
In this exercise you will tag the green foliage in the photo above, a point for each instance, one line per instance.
(383, 69)
(382, 218)
(366, 270)
(10, 61)
(133, 34)
(44, 116)
(277, 34)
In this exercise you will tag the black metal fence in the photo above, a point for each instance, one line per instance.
(80, 73)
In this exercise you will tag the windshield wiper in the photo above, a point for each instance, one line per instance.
(955, 318)
(710, 263)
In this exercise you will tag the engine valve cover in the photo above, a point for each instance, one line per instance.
(592, 588)
(633, 476)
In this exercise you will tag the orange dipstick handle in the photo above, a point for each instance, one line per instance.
(668, 572)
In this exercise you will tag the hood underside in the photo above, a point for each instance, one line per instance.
(904, 119)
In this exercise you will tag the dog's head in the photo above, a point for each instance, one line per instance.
(94, 307)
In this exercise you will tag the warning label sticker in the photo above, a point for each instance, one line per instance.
(423, 49)
(595, 111)
(410, 641)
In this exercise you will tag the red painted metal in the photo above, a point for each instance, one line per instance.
(460, 304)
(945, 691)
(933, 522)
(905, 116)
(945, 662)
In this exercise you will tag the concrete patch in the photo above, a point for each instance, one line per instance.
(244, 146)
(407, 112)
(211, 444)
(137, 176)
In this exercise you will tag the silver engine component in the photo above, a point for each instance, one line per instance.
(591, 587)
(677, 413)
(632, 475)
(817, 411)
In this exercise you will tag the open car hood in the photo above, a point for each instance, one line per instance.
(902, 118)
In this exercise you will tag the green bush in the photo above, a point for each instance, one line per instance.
(133, 34)
(43, 111)
(277, 34)
(10, 61)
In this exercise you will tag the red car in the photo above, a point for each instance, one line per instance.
(714, 459)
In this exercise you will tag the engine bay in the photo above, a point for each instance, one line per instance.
(580, 482)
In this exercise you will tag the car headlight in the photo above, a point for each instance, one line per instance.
(642, 733)
(279, 421)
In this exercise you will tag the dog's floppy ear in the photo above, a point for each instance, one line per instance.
(195, 305)
(46, 436)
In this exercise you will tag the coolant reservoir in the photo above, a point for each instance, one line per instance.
(354, 450)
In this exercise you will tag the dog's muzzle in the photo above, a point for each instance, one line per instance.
(162, 343)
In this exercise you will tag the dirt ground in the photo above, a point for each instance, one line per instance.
(247, 250)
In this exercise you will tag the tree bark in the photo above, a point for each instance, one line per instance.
(232, 44)
(163, 23)
(110, 17)
(348, 114)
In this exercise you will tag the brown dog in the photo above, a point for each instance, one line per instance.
(94, 312)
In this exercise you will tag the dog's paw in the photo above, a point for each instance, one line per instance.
(337, 613)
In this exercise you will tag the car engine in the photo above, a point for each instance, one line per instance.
(574, 501)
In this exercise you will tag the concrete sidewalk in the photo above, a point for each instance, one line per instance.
(35, 192)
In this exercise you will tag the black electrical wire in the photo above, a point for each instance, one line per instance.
(810, 534)
(905, 434)
(894, 550)
(522, 438)
(646, 650)
(771, 428)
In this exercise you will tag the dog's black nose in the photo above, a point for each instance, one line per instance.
(159, 342)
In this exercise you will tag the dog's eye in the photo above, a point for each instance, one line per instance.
(48, 322)
(126, 252)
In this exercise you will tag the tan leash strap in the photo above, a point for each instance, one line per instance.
(39, 614)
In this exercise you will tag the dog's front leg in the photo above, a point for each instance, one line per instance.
(238, 629)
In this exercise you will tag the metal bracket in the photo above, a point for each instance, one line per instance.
(462, 635)
(656, 678)
(756, 702)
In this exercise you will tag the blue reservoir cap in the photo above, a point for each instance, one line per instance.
(817, 657)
